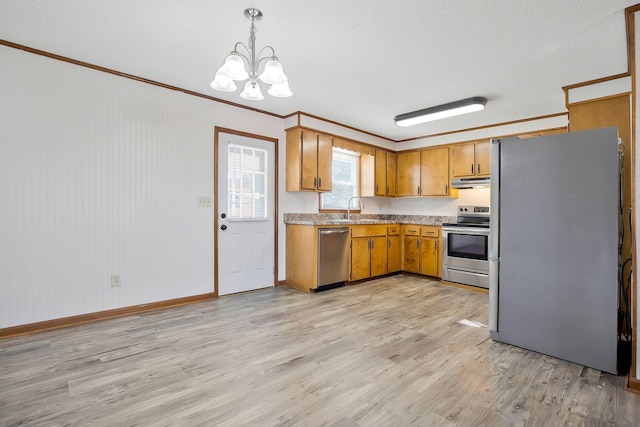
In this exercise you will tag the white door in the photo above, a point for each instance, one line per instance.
(246, 208)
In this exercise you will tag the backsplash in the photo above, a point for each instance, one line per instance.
(440, 206)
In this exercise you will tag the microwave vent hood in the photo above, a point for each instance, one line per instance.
(475, 182)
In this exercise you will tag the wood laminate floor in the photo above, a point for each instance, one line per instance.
(390, 352)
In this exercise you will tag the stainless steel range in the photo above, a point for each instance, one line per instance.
(465, 252)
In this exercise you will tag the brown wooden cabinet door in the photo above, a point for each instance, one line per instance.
(429, 256)
(463, 160)
(409, 174)
(483, 158)
(381, 173)
(360, 258)
(434, 172)
(411, 261)
(392, 173)
(367, 175)
(394, 262)
(378, 255)
(309, 160)
(325, 156)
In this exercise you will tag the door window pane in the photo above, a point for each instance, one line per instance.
(246, 182)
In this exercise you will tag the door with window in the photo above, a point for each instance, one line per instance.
(245, 223)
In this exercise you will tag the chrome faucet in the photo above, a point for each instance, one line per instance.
(349, 206)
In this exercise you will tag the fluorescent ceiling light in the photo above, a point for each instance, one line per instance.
(456, 108)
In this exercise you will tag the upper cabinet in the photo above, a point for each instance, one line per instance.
(385, 173)
(424, 173)
(409, 173)
(434, 172)
(471, 159)
(378, 174)
(309, 156)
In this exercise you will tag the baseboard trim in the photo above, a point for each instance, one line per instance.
(65, 322)
(633, 384)
(281, 283)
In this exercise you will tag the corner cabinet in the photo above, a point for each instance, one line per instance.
(471, 159)
(309, 156)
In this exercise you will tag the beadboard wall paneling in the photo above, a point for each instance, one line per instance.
(99, 175)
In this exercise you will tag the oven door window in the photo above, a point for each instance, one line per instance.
(468, 246)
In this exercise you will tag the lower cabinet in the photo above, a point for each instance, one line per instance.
(422, 250)
(394, 250)
(368, 257)
(375, 250)
(369, 251)
(411, 248)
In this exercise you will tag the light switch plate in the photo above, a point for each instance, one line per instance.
(203, 202)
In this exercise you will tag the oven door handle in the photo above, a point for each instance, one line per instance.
(473, 231)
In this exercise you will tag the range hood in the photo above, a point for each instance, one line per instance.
(474, 182)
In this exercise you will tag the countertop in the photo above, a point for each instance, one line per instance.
(364, 219)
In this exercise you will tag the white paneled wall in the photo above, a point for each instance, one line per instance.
(99, 175)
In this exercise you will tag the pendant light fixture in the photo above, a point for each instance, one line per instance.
(234, 69)
(451, 109)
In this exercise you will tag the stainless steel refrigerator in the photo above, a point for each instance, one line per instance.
(553, 248)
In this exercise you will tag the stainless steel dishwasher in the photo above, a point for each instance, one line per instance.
(333, 257)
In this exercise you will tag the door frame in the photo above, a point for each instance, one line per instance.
(216, 134)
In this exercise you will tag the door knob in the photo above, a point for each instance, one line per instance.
(223, 216)
(223, 227)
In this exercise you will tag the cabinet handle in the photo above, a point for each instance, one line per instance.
(435, 246)
(418, 243)
(388, 242)
(387, 189)
(478, 168)
(446, 189)
(315, 181)
(418, 189)
(319, 182)
(372, 243)
(471, 168)
(376, 188)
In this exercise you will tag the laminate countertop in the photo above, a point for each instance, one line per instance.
(365, 219)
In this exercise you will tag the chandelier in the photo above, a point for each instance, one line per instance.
(234, 68)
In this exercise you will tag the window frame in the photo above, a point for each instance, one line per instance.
(354, 157)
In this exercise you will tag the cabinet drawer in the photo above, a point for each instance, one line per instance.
(411, 230)
(430, 231)
(393, 230)
(368, 230)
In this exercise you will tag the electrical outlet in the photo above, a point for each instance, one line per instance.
(116, 280)
(203, 202)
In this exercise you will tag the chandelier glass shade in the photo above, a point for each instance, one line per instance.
(234, 69)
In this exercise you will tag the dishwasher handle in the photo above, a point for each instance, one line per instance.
(337, 231)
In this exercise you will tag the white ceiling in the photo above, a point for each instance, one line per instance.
(357, 62)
